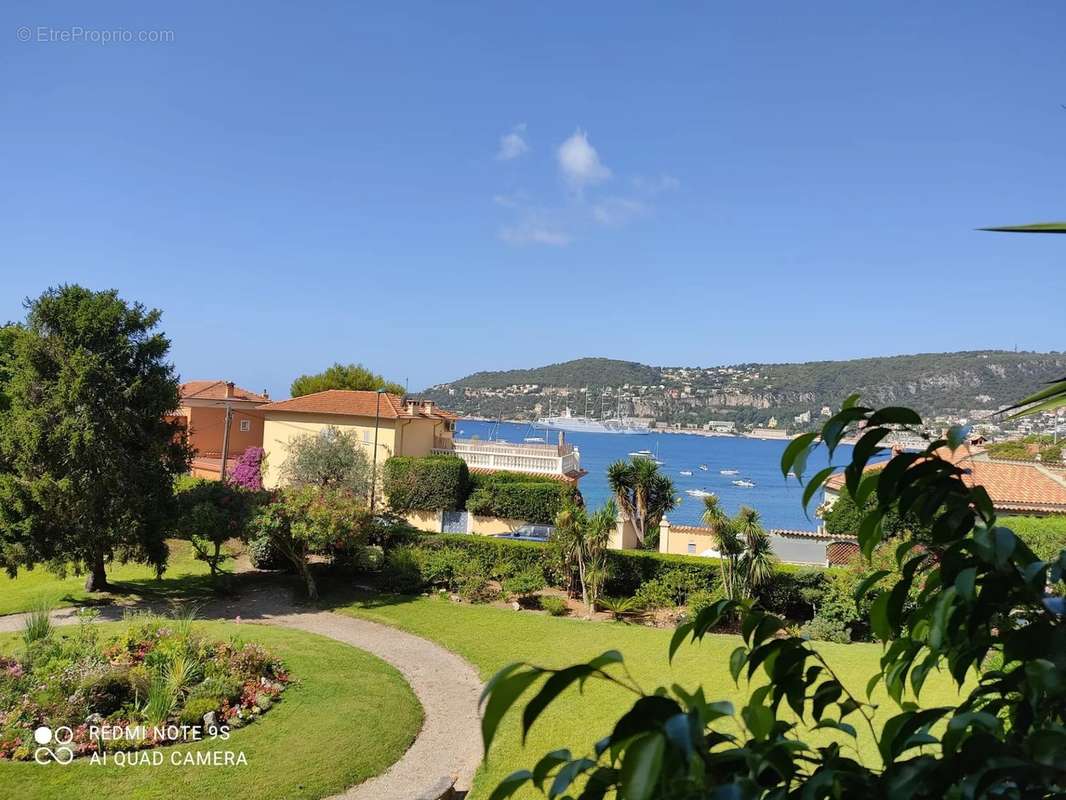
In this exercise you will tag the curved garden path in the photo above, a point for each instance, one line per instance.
(449, 744)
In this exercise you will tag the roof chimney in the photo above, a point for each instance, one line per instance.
(411, 407)
(427, 406)
(229, 390)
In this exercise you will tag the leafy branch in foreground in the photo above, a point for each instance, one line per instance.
(969, 596)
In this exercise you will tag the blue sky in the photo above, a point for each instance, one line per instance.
(438, 188)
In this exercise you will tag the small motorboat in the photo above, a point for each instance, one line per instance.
(730, 472)
(534, 439)
(642, 454)
(703, 467)
(744, 484)
(698, 493)
(686, 472)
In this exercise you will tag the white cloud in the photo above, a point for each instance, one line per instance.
(663, 183)
(580, 162)
(617, 211)
(513, 144)
(531, 232)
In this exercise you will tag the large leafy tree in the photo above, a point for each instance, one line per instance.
(970, 599)
(643, 493)
(343, 376)
(90, 460)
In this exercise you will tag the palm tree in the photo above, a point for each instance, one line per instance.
(642, 492)
(728, 543)
(583, 540)
(757, 562)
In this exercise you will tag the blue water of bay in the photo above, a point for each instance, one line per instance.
(779, 502)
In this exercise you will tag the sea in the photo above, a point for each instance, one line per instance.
(778, 501)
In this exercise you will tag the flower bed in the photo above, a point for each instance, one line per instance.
(158, 681)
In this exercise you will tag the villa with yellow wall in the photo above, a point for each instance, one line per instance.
(400, 426)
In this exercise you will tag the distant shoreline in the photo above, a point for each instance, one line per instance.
(686, 432)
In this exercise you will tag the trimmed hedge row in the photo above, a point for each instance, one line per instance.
(790, 593)
(433, 483)
(444, 483)
(512, 495)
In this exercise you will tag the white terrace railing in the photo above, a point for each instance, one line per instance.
(542, 459)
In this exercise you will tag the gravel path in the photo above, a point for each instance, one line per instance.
(449, 744)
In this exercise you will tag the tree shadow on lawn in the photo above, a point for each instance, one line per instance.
(339, 588)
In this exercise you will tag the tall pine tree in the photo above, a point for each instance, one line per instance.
(87, 459)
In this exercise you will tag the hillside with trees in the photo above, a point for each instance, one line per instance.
(751, 394)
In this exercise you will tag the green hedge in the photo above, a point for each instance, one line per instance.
(790, 593)
(433, 483)
(513, 495)
(1045, 535)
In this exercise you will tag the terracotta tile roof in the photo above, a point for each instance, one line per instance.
(216, 390)
(357, 404)
(1013, 486)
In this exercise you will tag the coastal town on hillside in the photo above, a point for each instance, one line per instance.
(763, 401)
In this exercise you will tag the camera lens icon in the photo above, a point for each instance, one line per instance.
(62, 737)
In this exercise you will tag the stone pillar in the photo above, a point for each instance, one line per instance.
(664, 536)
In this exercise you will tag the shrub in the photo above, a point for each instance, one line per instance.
(670, 589)
(433, 483)
(445, 568)
(826, 629)
(195, 709)
(476, 588)
(402, 571)
(1045, 535)
(513, 495)
(220, 689)
(248, 473)
(108, 691)
(556, 606)
(523, 584)
(265, 554)
(701, 599)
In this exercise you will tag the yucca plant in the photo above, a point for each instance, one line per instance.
(620, 607)
(180, 673)
(160, 701)
(183, 618)
(38, 623)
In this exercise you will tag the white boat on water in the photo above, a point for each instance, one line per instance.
(686, 472)
(746, 484)
(641, 454)
(534, 439)
(730, 472)
(703, 467)
(698, 493)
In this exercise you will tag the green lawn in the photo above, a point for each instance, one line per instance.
(185, 577)
(348, 718)
(491, 637)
